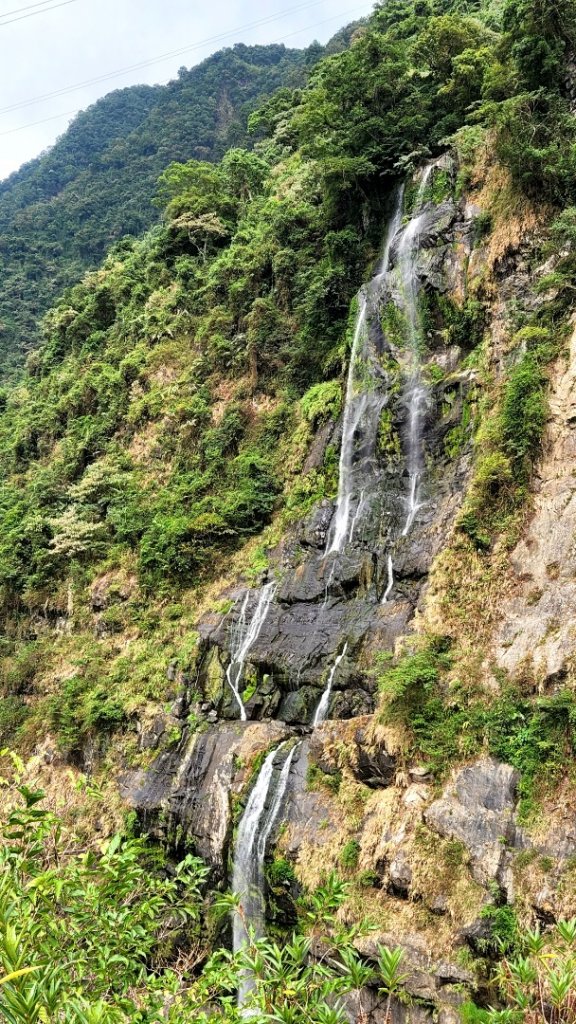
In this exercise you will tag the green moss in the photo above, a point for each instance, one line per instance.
(460, 324)
(457, 438)
(280, 872)
(349, 855)
(440, 187)
(389, 444)
(367, 880)
(434, 373)
(316, 779)
(395, 326)
(322, 402)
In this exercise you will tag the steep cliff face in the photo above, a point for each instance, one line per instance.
(291, 569)
(361, 589)
(435, 857)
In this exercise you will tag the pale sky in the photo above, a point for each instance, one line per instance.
(46, 48)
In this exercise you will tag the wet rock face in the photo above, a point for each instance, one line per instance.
(291, 658)
(187, 793)
(327, 598)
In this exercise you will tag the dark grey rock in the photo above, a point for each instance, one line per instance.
(151, 736)
(375, 767)
(307, 811)
(369, 1007)
(199, 806)
(314, 530)
(400, 874)
(298, 706)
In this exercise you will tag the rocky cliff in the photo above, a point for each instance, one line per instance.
(436, 858)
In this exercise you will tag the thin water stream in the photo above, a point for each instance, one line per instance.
(416, 392)
(256, 824)
(244, 636)
(362, 408)
(324, 703)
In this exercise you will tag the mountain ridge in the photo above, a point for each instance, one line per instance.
(61, 212)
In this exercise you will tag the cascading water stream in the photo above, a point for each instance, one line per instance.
(244, 636)
(416, 391)
(362, 408)
(390, 585)
(323, 706)
(248, 878)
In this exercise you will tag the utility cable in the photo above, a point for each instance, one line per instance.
(33, 14)
(161, 57)
(72, 113)
(30, 6)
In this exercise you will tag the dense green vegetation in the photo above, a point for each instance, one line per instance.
(60, 213)
(537, 982)
(165, 421)
(119, 935)
(450, 720)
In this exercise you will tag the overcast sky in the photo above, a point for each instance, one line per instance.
(46, 48)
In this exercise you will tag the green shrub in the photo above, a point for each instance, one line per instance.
(524, 411)
(280, 872)
(349, 854)
(322, 402)
(451, 723)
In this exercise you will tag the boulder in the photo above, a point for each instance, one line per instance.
(335, 744)
(478, 809)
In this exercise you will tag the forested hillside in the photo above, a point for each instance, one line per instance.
(60, 213)
(287, 563)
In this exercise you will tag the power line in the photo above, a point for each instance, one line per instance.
(18, 10)
(71, 113)
(157, 60)
(33, 14)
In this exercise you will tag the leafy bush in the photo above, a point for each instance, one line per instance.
(349, 854)
(536, 979)
(524, 413)
(80, 932)
(449, 723)
(322, 402)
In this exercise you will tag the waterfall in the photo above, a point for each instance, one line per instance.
(362, 408)
(390, 586)
(323, 706)
(244, 636)
(256, 824)
(416, 392)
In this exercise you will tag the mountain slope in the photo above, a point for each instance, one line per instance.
(60, 213)
(233, 581)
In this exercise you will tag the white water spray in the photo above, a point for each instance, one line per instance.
(390, 586)
(323, 706)
(244, 636)
(256, 824)
(362, 407)
(416, 392)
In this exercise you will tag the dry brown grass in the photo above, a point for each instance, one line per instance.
(90, 814)
(514, 217)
